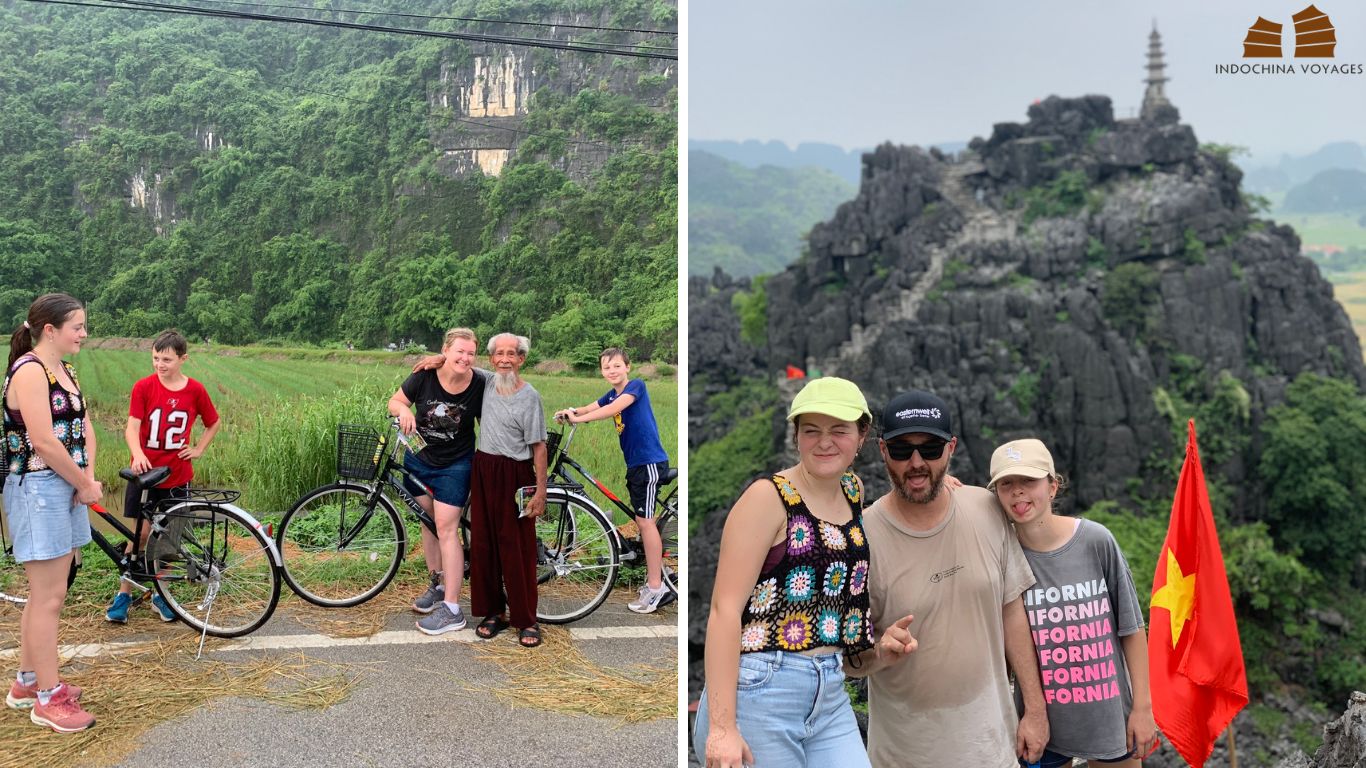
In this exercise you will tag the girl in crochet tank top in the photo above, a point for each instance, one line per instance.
(789, 599)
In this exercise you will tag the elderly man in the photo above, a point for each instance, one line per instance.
(511, 454)
(946, 577)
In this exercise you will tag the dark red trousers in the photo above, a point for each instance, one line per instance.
(502, 546)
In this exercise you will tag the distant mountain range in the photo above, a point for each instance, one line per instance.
(1335, 190)
(1291, 171)
(750, 221)
(844, 163)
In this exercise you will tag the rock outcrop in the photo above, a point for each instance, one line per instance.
(984, 278)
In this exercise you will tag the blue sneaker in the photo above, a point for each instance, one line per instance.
(166, 613)
(118, 610)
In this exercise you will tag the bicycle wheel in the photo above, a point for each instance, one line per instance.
(668, 534)
(338, 548)
(576, 559)
(213, 569)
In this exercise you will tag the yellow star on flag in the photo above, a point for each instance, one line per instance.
(1177, 596)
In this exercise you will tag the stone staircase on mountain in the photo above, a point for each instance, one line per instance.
(982, 223)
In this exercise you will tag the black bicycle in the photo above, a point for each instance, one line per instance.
(343, 543)
(580, 550)
(213, 563)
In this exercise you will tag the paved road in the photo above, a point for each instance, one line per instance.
(413, 705)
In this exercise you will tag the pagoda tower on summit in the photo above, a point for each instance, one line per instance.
(1154, 97)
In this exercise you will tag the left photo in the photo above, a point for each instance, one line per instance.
(341, 404)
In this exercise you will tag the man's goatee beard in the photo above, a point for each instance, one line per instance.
(505, 383)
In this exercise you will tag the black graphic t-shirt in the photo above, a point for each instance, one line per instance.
(444, 419)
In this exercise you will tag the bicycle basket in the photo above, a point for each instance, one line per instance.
(358, 451)
(552, 444)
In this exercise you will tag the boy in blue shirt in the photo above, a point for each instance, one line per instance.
(628, 405)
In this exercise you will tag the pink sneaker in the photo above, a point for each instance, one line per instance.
(62, 713)
(24, 696)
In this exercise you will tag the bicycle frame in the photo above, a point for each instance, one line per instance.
(385, 478)
(558, 470)
(126, 562)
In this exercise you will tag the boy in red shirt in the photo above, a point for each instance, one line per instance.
(161, 414)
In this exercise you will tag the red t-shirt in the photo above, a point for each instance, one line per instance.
(167, 417)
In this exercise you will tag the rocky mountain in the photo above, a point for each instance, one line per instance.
(1082, 279)
(1047, 281)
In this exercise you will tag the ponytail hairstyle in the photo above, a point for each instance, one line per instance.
(49, 309)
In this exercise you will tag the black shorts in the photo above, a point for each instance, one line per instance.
(132, 498)
(643, 484)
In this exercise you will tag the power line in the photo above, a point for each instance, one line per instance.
(232, 14)
(455, 18)
(505, 39)
(180, 10)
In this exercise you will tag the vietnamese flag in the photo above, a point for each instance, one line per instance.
(1195, 659)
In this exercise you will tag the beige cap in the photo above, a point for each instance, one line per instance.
(1026, 458)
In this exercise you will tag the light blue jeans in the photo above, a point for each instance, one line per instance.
(793, 712)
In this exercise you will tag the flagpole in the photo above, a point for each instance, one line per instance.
(1232, 744)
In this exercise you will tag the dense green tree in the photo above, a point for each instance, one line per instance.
(1314, 472)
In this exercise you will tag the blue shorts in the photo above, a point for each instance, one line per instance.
(45, 522)
(791, 710)
(449, 484)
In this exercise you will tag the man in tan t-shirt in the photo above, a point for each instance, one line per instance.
(938, 690)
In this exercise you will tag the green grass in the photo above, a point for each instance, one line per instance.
(280, 412)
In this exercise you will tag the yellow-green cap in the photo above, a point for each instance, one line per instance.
(831, 396)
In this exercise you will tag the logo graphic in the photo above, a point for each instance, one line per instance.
(918, 413)
(1263, 40)
(938, 577)
(1013, 453)
(1314, 37)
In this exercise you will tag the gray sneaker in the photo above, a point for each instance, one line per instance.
(441, 620)
(649, 599)
(427, 601)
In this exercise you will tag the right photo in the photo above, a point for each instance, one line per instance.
(1026, 389)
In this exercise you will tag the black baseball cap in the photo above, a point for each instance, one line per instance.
(916, 411)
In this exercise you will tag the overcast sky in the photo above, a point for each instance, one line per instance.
(859, 72)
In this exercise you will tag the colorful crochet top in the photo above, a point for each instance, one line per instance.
(817, 593)
(68, 422)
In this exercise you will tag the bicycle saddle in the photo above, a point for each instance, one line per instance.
(148, 479)
(669, 477)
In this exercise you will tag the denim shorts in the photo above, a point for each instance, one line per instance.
(449, 484)
(45, 522)
(792, 710)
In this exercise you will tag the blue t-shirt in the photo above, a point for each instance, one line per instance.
(636, 426)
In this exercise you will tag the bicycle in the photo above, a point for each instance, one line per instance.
(580, 550)
(213, 563)
(343, 543)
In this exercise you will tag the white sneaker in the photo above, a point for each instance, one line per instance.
(649, 599)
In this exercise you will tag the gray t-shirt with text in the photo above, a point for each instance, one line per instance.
(511, 424)
(1082, 603)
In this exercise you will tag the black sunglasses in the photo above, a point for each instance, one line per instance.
(903, 450)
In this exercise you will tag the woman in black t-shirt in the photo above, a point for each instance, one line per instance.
(447, 400)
